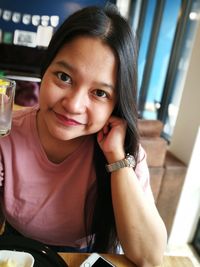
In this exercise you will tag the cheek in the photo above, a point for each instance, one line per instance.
(47, 92)
(101, 116)
(43, 87)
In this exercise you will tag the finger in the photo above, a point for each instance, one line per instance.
(112, 121)
(100, 136)
(106, 129)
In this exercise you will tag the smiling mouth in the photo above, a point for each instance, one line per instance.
(67, 121)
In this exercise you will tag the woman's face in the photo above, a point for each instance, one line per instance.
(78, 90)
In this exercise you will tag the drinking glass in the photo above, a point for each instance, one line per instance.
(7, 94)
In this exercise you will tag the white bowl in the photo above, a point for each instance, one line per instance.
(20, 259)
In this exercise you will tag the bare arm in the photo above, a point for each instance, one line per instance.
(140, 228)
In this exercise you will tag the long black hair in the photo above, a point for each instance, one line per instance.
(109, 26)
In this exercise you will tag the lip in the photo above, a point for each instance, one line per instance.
(67, 121)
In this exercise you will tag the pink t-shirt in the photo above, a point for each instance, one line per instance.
(44, 200)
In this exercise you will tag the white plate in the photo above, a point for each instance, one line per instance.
(21, 259)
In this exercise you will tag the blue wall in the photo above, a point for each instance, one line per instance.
(62, 8)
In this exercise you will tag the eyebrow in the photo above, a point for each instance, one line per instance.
(66, 65)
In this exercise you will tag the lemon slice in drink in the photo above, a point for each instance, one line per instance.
(3, 85)
(8, 263)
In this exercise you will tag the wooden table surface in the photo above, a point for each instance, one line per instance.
(75, 259)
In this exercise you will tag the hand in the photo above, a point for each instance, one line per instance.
(111, 139)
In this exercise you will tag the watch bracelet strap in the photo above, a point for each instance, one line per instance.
(115, 166)
(128, 161)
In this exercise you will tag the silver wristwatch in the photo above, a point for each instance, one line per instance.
(129, 161)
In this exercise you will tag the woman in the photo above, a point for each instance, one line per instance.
(80, 190)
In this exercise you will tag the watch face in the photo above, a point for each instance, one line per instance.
(131, 160)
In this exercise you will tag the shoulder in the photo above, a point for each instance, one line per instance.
(23, 119)
(23, 122)
(25, 112)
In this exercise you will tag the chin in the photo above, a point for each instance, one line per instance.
(66, 137)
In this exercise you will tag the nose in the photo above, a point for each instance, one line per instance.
(75, 102)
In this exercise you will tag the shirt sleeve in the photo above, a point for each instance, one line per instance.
(142, 170)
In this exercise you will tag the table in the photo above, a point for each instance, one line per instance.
(75, 259)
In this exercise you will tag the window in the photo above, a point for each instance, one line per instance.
(182, 66)
(165, 31)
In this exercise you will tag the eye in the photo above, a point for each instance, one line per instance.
(64, 77)
(101, 93)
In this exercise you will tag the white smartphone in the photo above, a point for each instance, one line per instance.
(96, 260)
